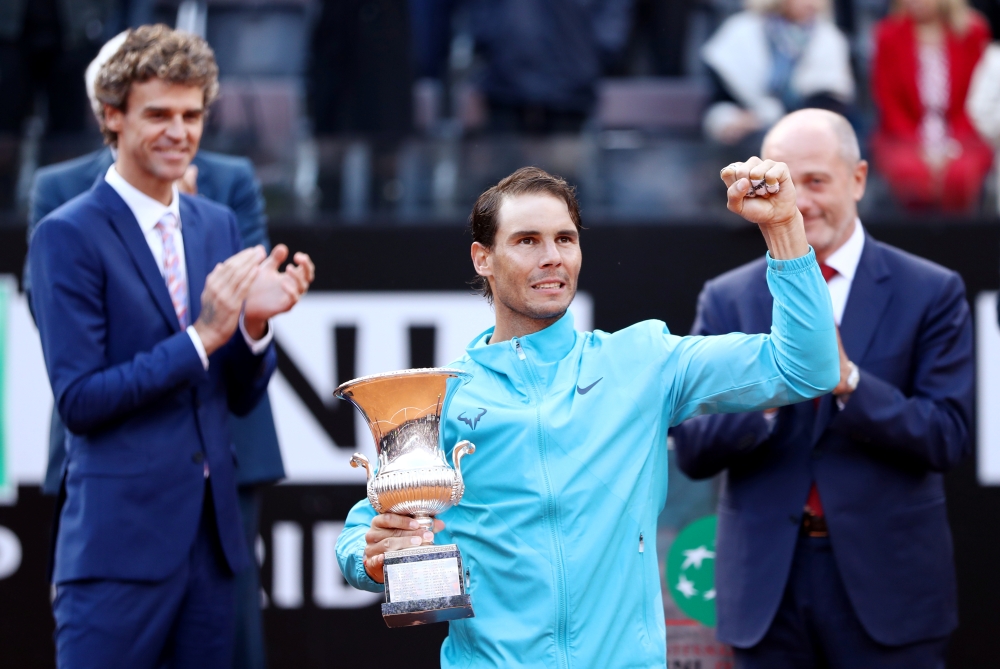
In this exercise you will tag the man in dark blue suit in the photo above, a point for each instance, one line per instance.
(833, 545)
(138, 293)
(228, 180)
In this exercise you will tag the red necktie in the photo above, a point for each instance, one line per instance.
(813, 503)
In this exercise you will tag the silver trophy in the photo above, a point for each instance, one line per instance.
(423, 584)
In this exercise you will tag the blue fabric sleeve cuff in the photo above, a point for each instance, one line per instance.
(794, 265)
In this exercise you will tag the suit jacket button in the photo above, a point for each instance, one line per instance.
(198, 458)
(197, 403)
(817, 454)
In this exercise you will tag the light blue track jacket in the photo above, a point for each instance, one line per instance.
(558, 523)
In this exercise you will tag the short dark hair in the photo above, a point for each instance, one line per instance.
(484, 219)
(150, 52)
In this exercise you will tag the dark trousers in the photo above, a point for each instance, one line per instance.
(816, 627)
(249, 651)
(186, 620)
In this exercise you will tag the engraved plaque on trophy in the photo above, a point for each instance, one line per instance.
(424, 584)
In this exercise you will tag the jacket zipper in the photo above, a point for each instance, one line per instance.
(642, 566)
(561, 624)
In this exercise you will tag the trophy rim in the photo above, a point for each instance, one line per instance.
(402, 373)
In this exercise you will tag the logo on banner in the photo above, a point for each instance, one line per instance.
(691, 570)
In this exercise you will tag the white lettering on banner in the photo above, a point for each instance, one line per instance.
(987, 389)
(382, 322)
(330, 590)
(286, 556)
(10, 553)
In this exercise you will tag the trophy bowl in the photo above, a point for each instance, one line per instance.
(412, 477)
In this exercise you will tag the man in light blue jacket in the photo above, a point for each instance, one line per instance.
(557, 525)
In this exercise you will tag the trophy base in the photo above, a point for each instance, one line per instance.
(423, 611)
(425, 585)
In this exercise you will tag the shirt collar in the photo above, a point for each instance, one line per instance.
(845, 259)
(146, 210)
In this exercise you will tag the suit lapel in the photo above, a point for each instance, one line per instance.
(131, 235)
(193, 232)
(866, 304)
(869, 296)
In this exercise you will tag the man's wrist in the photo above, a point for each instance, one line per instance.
(787, 240)
(207, 336)
(255, 328)
(850, 384)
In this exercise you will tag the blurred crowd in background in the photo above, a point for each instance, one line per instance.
(402, 111)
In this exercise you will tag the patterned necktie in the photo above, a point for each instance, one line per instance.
(176, 282)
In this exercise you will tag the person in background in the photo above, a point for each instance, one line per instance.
(543, 59)
(775, 57)
(44, 46)
(983, 105)
(833, 542)
(230, 181)
(925, 144)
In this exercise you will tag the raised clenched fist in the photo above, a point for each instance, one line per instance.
(761, 191)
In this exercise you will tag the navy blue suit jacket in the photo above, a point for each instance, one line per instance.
(142, 412)
(878, 463)
(224, 179)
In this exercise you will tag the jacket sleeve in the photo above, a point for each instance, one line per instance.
(42, 201)
(351, 548)
(247, 374)
(705, 445)
(69, 308)
(247, 201)
(798, 360)
(930, 422)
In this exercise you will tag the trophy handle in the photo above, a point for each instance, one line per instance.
(462, 448)
(361, 461)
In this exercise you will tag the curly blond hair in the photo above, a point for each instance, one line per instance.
(154, 51)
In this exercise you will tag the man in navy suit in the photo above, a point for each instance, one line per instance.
(228, 180)
(138, 294)
(833, 545)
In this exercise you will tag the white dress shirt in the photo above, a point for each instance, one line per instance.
(845, 260)
(148, 212)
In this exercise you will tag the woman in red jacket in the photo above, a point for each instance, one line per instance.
(925, 144)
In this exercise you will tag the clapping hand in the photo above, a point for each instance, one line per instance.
(274, 292)
(226, 288)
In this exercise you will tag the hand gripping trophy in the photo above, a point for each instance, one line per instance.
(424, 584)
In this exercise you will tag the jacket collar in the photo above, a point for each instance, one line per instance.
(549, 345)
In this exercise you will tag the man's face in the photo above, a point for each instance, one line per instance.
(159, 131)
(827, 189)
(535, 260)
